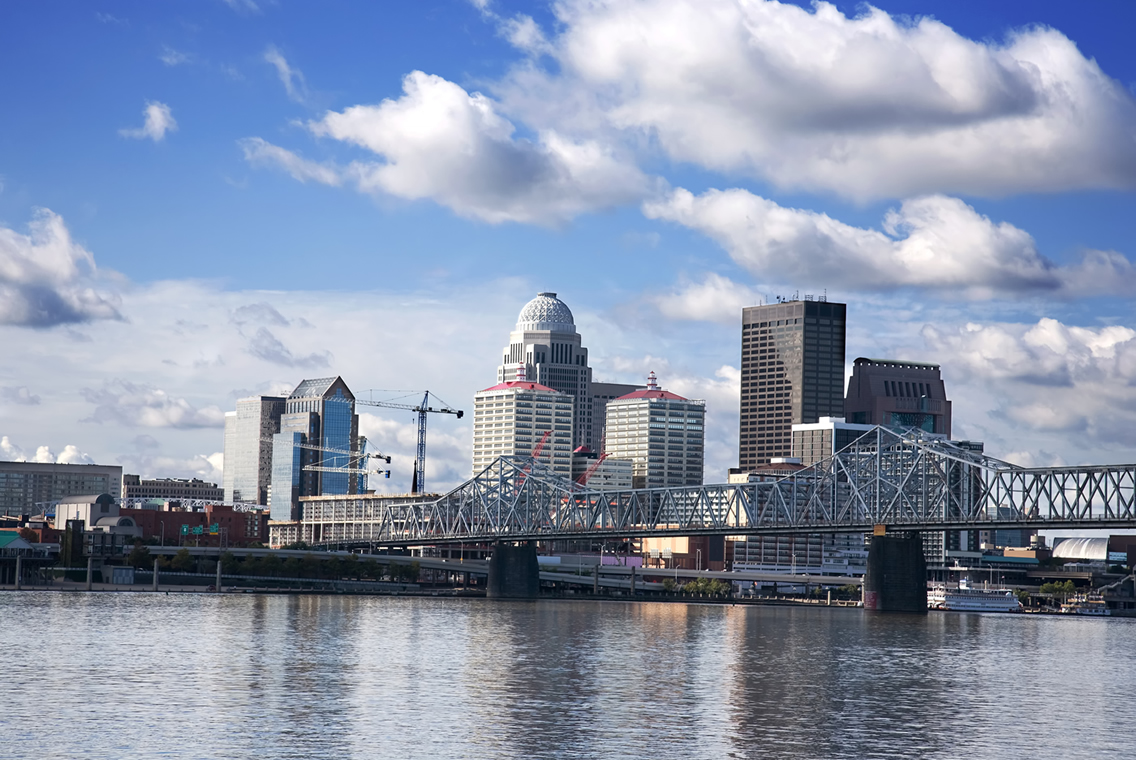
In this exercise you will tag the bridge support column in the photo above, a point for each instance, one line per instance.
(90, 571)
(896, 577)
(19, 571)
(155, 578)
(513, 572)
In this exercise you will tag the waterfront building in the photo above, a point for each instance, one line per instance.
(546, 348)
(24, 485)
(815, 441)
(662, 433)
(169, 489)
(792, 373)
(512, 417)
(898, 394)
(318, 439)
(610, 474)
(248, 448)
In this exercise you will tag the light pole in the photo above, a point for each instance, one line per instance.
(163, 524)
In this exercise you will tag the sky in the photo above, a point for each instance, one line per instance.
(204, 200)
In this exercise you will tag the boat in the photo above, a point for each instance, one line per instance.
(1086, 604)
(964, 598)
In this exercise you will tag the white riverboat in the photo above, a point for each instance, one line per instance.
(1086, 604)
(964, 598)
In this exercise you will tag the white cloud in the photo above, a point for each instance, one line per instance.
(261, 153)
(172, 57)
(134, 405)
(159, 121)
(265, 345)
(1048, 377)
(291, 78)
(10, 452)
(933, 242)
(48, 279)
(868, 106)
(714, 299)
(440, 142)
(72, 455)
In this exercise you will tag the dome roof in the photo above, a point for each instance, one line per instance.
(546, 312)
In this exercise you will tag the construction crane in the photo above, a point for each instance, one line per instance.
(356, 460)
(418, 480)
(583, 479)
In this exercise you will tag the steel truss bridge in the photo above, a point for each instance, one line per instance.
(902, 480)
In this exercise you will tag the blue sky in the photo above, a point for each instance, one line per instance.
(205, 199)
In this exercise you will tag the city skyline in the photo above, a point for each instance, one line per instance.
(226, 207)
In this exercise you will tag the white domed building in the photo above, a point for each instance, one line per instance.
(544, 348)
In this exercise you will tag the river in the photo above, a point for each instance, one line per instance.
(138, 675)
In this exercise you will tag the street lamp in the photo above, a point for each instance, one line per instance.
(163, 524)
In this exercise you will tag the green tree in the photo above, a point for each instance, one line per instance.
(230, 565)
(139, 556)
(298, 546)
(182, 561)
(669, 585)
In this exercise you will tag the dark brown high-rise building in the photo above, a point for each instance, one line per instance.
(898, 394)
(792, 372)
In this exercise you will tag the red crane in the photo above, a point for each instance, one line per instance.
(583, 479)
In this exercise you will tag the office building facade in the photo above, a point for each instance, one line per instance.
(317, 442)
(512, 417)
(169, 489)
(593, 470)
(792, 373)
(815, 441)
(546, 349)
(248, 448)
(33, 487)
(898, 394)
(662, 433)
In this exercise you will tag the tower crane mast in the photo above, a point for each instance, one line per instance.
(418, 481)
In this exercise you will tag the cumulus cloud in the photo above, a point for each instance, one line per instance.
(265, 345)
(10, 452)
(47, 279)
(440, 142)
(714, 299)
(159, 121)
(291, 78)
(1051, 377)
(19, 395)
(136, 405)
(934, 242)
(867, 106)
(261, 312)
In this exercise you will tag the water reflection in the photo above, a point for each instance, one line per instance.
(141, 675)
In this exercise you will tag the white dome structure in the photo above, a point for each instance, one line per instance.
(546, 312)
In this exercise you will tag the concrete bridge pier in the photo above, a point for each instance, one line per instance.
(513, 572)
(896, 577)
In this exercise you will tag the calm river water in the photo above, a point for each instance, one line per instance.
(204, 676)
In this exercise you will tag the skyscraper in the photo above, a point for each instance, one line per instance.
(898, 394)
(512, 417)
(792, 372)
(248, 451)
(662, 433)
(550, 351)
(319, 430)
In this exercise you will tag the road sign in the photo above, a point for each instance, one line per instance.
(198, 530)
(214, 529)
(185, 530)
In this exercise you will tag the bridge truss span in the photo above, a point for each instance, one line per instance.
(901, 480)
